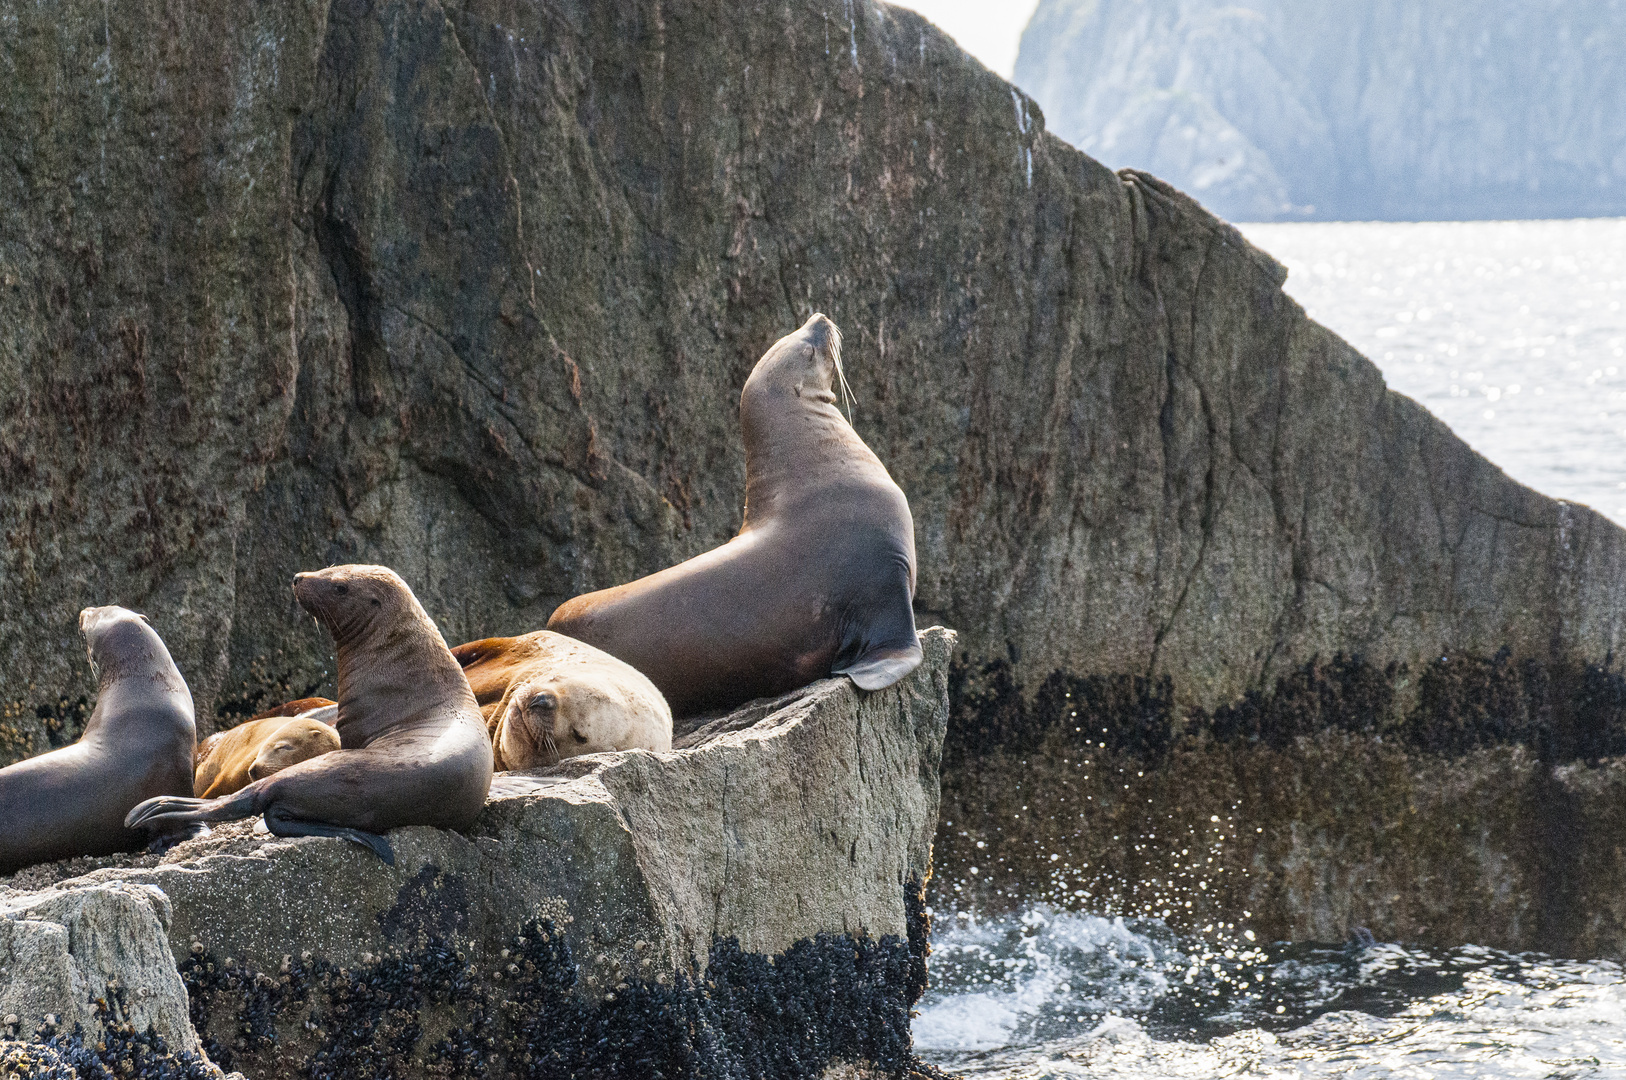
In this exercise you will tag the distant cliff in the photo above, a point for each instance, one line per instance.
(1281, 109)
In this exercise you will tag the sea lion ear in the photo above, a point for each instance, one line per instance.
(883, 647)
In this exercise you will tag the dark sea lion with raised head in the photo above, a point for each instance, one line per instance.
(137, 744)
(820, 580)
(414, 749)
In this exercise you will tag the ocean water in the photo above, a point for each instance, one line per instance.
(1052, 994)
(1514, 334)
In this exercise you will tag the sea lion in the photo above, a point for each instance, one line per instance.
(137, 744)
(323, 709)
(547, 697)
(820, 579)
(230, 760)
(413, 747)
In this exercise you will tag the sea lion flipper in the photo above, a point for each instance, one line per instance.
(882, 647)
(283, 825)
(880, 669)
(164, 813)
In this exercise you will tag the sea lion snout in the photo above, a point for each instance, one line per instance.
(805, 364)
(819, 331)
(94, 621)
(347, 598)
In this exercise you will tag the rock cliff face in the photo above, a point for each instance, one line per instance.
(471, 289)
(1278, 109)
(748, 905)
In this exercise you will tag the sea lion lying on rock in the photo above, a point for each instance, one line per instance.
(413, 746)
(137, 744)
(547, 697)
(820, 579)
(230, 760)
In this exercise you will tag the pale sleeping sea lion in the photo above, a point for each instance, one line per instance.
(413, 746)
(820, 580)
(230, 760)
(137, 744)
(547, 697)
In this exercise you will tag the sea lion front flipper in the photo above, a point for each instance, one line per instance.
(879, 670)
(881, 645)
(280, 824)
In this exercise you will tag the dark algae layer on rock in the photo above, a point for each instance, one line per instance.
(827, 999)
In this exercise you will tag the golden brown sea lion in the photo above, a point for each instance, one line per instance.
(414, 749)
(137, 744)
(820, 579)
(547, 697)
(230, 760)
(324, 709)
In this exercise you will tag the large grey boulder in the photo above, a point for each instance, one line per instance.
(472, 293)
(1317, 108)
(471, 289)
(766, 877)
(62, 951)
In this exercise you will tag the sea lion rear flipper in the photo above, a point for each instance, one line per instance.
(165, 812)
(881, 646)
(281, 824)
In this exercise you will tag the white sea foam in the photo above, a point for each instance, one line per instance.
(1056, 994)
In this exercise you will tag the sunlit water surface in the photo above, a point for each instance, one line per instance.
(1514, 334)
(1058, 994)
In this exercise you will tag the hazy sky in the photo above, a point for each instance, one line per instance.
(990, 30)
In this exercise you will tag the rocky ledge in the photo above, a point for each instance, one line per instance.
(748, 904)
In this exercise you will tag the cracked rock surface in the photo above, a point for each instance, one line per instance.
(470, 289)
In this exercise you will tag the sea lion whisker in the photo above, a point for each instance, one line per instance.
(848, 398)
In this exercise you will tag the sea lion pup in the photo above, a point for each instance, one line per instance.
(547, 697)
(137, 744)
(230, 760)
(413, 747)
(320, 708)
(820, 579)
